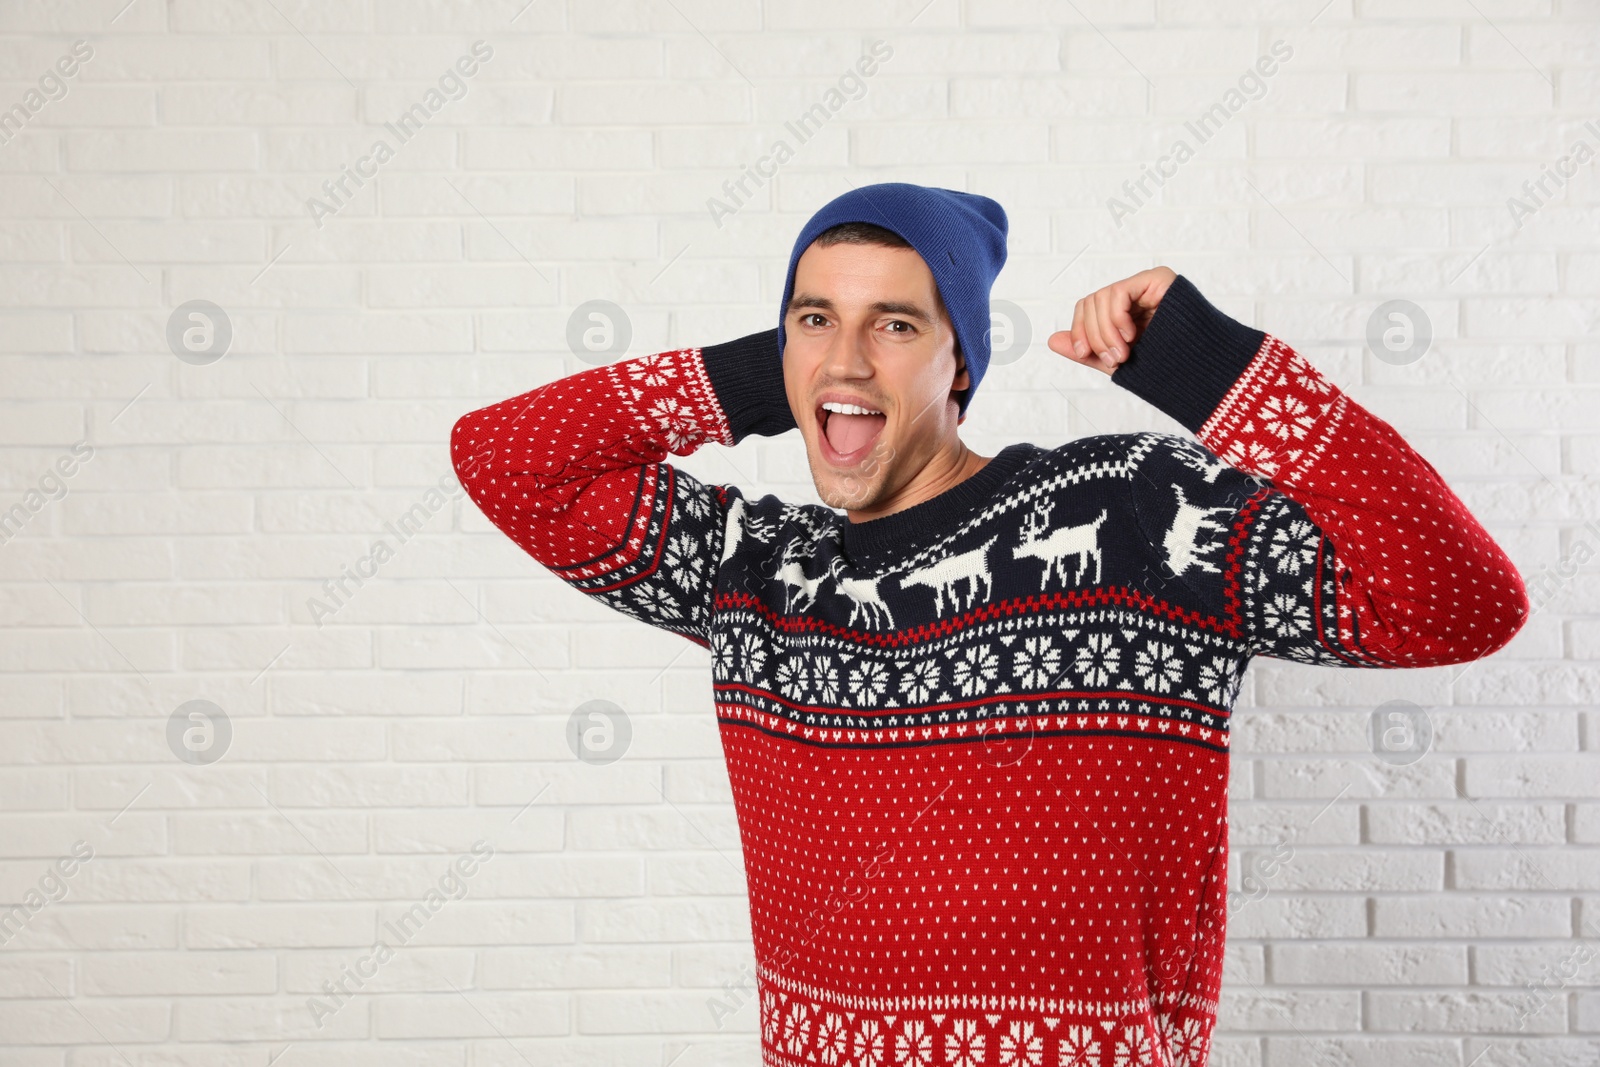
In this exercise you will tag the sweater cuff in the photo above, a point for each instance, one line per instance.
(1188, 357)
(747, 377)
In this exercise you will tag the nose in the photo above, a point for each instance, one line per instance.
(850, 355)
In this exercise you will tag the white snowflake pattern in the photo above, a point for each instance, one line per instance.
(722, 647)
(1134, 1048)
(696, 505)
(867, 683)
(655, 371)
(684, 561)
(868, 1044)
(1286, 615)
(1286, 417)
(1307, 377)
(769, 1016)
(1185, 1041)
(1294, 547)
(1037, 662)
(913, 1044)
(753, 652)
(825, 677)
(656, 602)
(1159, 666)
(797, 1027)
(1021, 1047)
(1098, 660)
(677, 419)
(1254, 457)
(1079, 1047)
(1217, 679)
(793, 676)
(831, 1038)
(975, 668)
(963, 1045)
(920, 680)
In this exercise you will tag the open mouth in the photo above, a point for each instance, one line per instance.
(845, 438)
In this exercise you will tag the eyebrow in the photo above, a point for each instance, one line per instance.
(890, 307)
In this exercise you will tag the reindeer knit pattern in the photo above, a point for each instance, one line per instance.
(979, 747)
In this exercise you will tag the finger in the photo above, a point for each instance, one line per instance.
(1122, 318)
(1105, 315)
(1092, 331)
(1060, 343)
(1080, 343)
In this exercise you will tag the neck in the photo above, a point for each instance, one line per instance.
(947, 469)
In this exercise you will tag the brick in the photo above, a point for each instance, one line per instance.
(178, 974)
(58, 1022)
(1461, 1012)
(1451, 916)
(473, 1014)
(1466, 823)
(1531, 776)
(1401, 964)
(594, 967)
(1533, 869)
(1364, 1051)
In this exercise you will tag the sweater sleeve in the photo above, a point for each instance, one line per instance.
(1348, 548)
(573, 472)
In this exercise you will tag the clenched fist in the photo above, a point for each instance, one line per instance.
(1108, 320)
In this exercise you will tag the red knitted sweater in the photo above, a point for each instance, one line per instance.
(978, 748)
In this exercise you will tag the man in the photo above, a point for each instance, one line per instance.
(977, 726)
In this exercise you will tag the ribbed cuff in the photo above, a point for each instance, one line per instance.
(1188, 357)
(747, 377)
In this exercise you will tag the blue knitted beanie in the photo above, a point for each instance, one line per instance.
(960, 236)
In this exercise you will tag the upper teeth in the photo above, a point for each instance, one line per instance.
(848, 409)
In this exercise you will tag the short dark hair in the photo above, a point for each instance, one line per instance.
(861, 233)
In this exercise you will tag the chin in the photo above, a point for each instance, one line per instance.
(846, 490)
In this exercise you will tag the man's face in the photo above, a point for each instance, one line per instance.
(865, 325)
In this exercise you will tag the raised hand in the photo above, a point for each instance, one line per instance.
(1108, 320)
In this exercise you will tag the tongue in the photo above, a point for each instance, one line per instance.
(846, 433)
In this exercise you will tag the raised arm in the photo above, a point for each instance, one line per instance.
(1356, 552)
(572, 472)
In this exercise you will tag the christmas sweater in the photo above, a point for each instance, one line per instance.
(978, 748)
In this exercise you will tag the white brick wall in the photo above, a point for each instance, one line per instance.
(367, 755)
